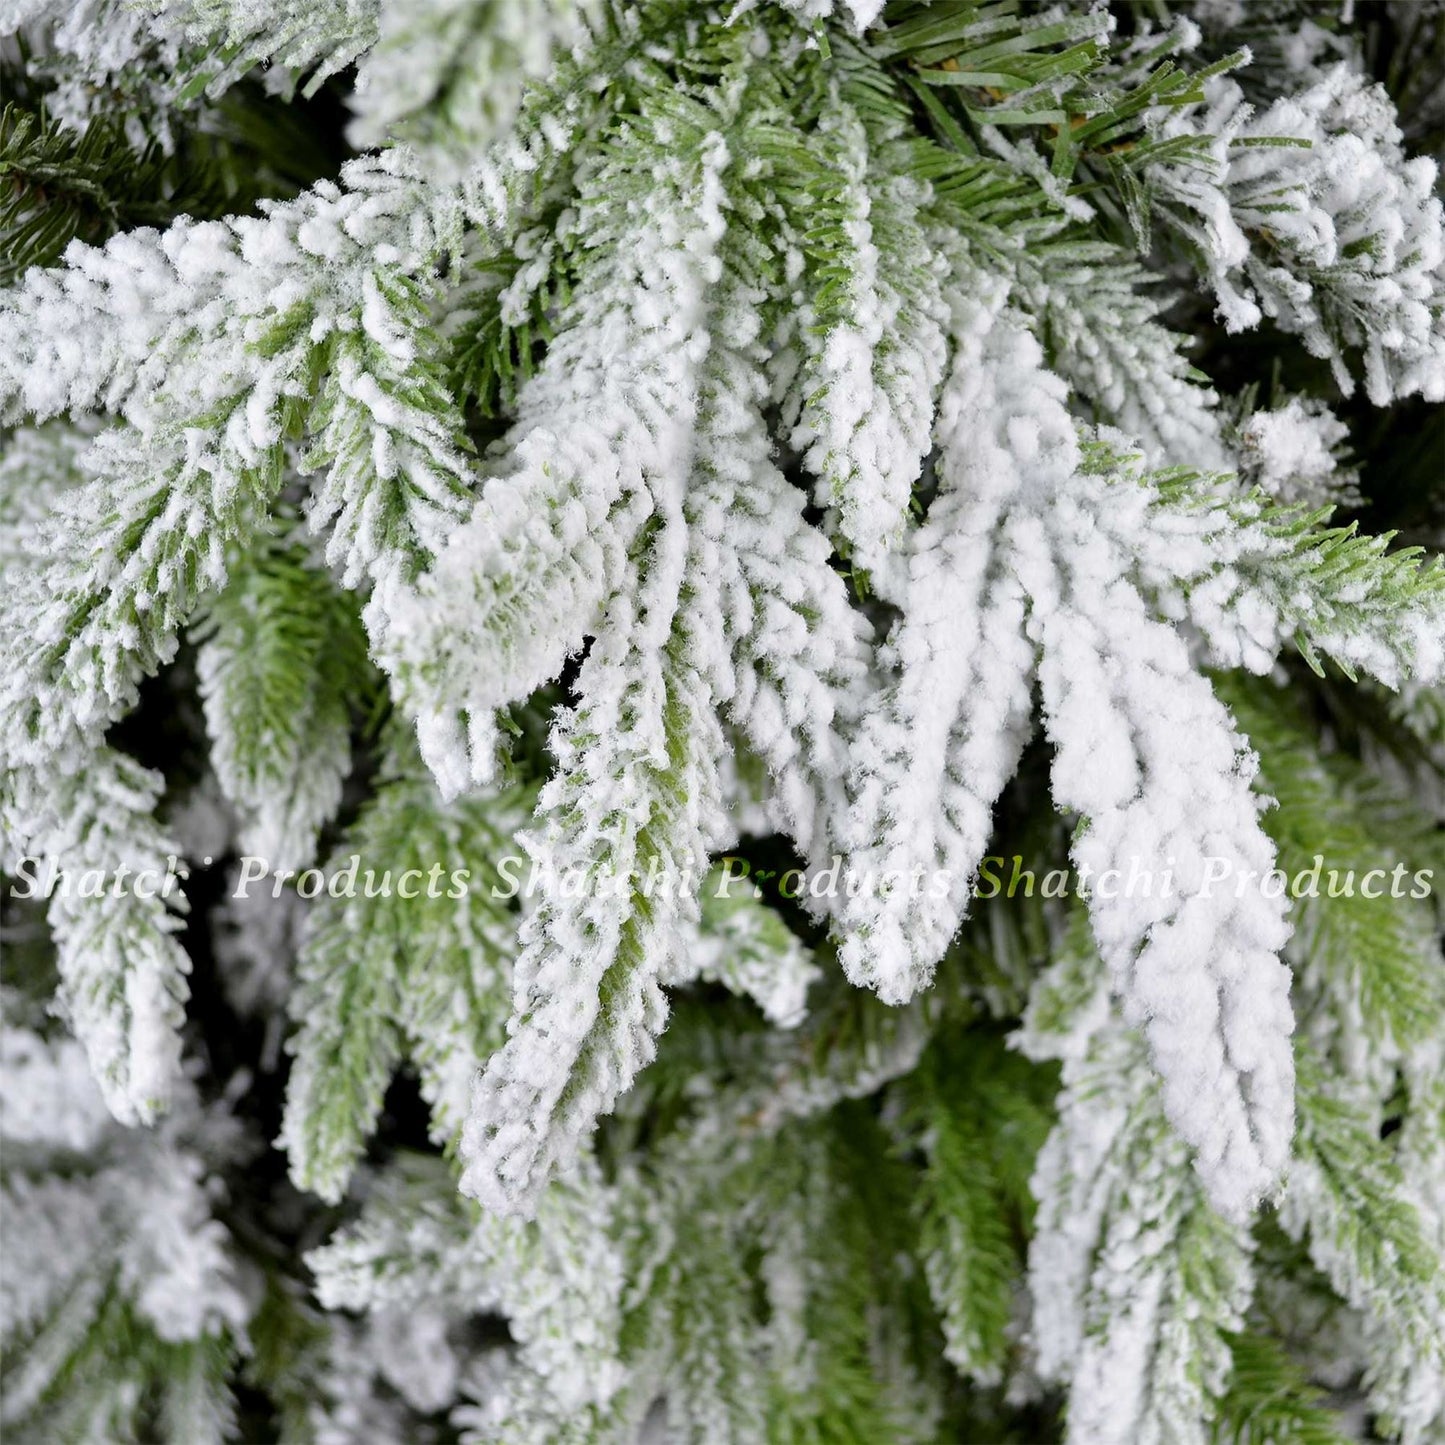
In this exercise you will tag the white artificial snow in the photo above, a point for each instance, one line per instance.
(739, 610)
(448, 75)
(1142, 751)
(936, 748)
(174, 1257)
(139, 1217)
(414, 1356)
(1120, 1223)
(865, 423)
(312, 38)
(1148, 756)
(1290, 453)
(1356, 234)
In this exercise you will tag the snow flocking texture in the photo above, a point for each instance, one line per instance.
(636, 510)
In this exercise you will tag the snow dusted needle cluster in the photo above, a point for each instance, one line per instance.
(591, 547)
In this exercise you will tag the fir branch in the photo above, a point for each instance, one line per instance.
(979, 1115)
(120, 564)
(56, 186)
(1138, 1285)
(875, 336)
(389, 438)
(281, 667)
(1269, 1398)
(1365, 1233)
(134, 1323)
(1379, 957)
(1251, 573)
(637, 739)
(122, 969)
(313, 41)
(407, 958)
(557, 1278)
(1022, 63)
(744, 945)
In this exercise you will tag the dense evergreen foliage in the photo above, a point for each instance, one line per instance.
(722, 722)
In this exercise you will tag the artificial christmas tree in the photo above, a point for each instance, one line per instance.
(763, 680)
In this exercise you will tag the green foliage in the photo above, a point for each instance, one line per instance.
(659, 308)
(1270, 1399)
(772, 1314)
(979, 1112)
(1000, 66)
(56, 187)
(114, 1378)
(282, 669)
(993, 51)
(289, 1338)
(135, 1331)
(1365, 1232)
(404, 955)
(131, 573)
(1380, 954)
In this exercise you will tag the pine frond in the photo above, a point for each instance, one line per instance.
(557, 1279)
(498, 315)
(98, 60)
(56, 187)
(130, 1323)
(1342, 247)
(389, 439)
(1269, 1398)
(281, 666)
(758, 434)
(744, 945)
(447, 76)
(1250, 574)
(980, 1116)
(405, 954)
(956, 716)
(120, 564)
(638, 738)
(1345, 1194)
(1064, 570)
(1024, 65)
(1138, 1286)
(1407, 1388)
(874, 342)
(314, 41)
(1378, 957)
(485, 627)
(1098, 321)
(114, 913)
(37, 465)
(1068, 1002)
